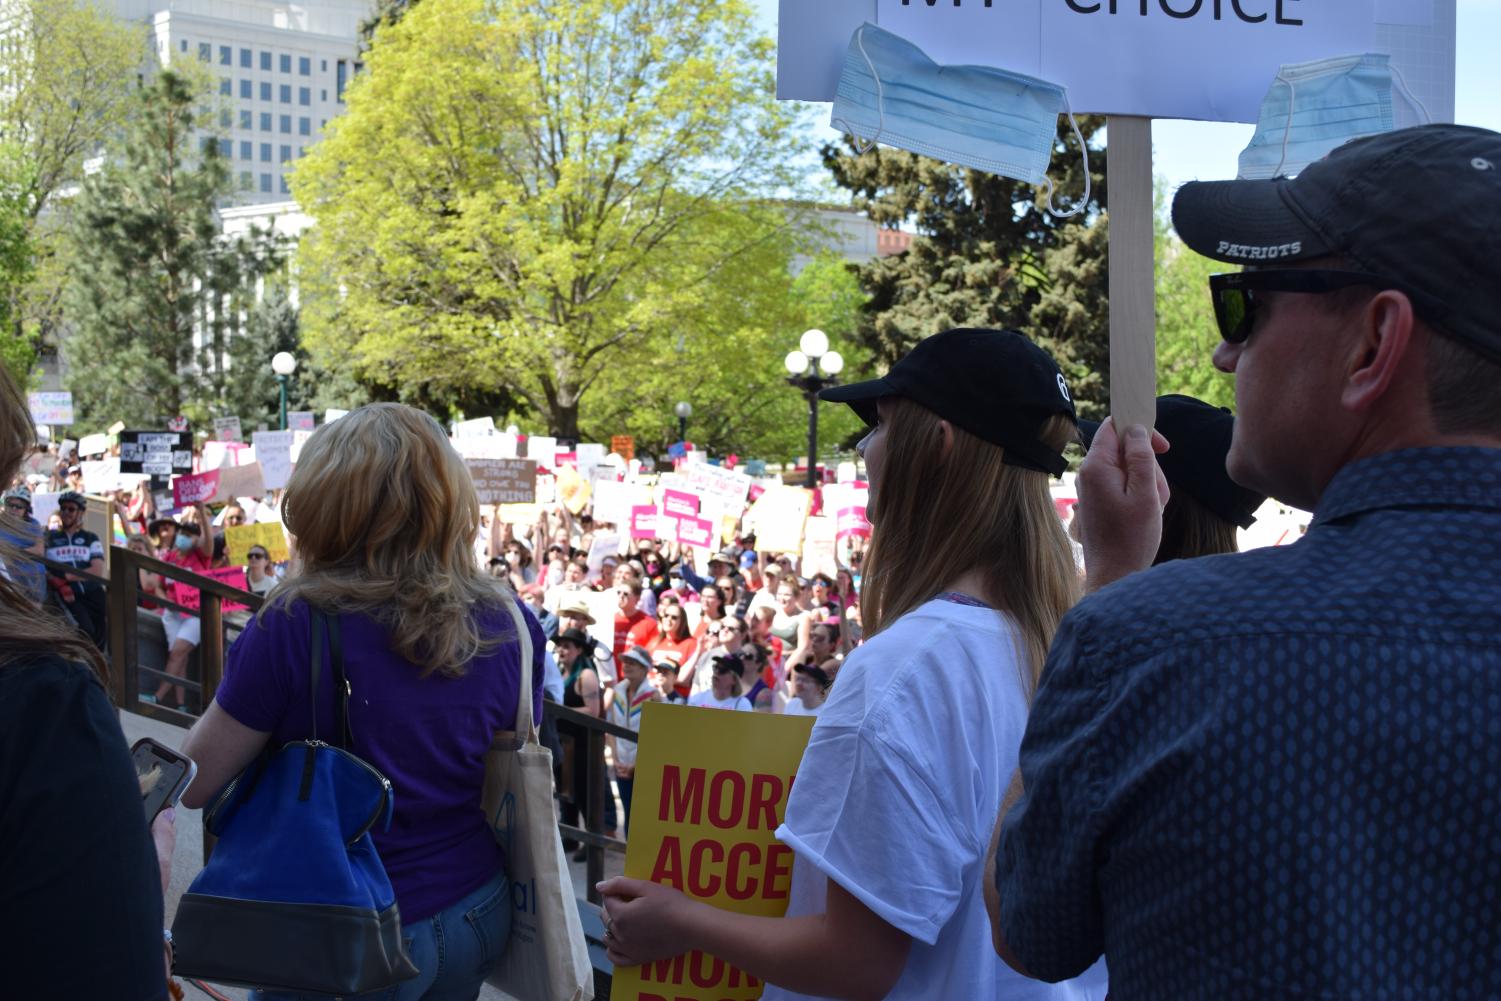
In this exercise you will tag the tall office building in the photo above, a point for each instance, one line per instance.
(281, 70)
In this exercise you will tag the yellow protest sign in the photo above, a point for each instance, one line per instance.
(239, 538)
(711, 788)
(573, 489)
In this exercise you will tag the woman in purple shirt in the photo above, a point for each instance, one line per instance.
(384, 513)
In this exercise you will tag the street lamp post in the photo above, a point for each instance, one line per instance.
(684, 410)
(283, 363)
(811, 368)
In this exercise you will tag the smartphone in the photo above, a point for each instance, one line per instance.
(163, 774)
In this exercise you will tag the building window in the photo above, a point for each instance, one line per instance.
(285, 62)
(341, 77)
(224, 119)
(286, 154)
(226, 86)
(265, 121)
(323, 95)
(286, 125)
(265, 152)
(226, 55)
(245, 59)
(304, 66)
(246, 180)
(183, 45)
(226, 148)
(305, 96)
(284, 189)
(247, 150)
(266, 183)
(205, 52)
(247, 121)
(304, 126)
(266, 61)
(286, 93)
(325, 66)
(265, 91)
(246, 90)
(301, 152)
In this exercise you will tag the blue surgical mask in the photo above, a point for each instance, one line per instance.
(976, 116)
(184, 542)
(1313, 108)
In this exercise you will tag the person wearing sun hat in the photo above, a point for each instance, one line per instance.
(1270, 774)
(969, 572)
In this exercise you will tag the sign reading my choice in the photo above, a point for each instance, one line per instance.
(711, 789)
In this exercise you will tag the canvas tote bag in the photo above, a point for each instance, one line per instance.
(547, 958)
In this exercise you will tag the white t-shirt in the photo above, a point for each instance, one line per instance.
(898, 793)
(707, 700)
(795, 707)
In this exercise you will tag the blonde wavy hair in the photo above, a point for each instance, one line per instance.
(934, 517)
(385, 515)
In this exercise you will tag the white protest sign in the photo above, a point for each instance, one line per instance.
(544, 450)
(606, 544)
(613, 501)
(1203, 59)
(299, 439)
(93, 444)
(273, 450)
(227, 429)
(44, 506)
(727, 486)
(589, 458)
(301, 420)
(50, 408)
(101, 476)
(332, 414)
(474, 428)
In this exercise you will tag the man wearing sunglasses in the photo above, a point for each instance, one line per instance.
(1272, 774)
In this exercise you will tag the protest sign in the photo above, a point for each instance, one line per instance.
(613, 501)
(178, 423)
(191, 597)
(624, 446)
(728, 486)
(44, 506)
(519, 514)
(478, 427)
(846, 502)
(50, 408)
(273, 450)
(542, 450)
(573, 489)
(299, 439)
(680, 504)
(332, 414)
(777, 518)
(156, 453)
(301, 420)
(195, 488)
(239, 538)
(644, 521)
(604, 544)
(93, 444)
(695, 531)
(115, 428)
(818, 553)
(224, 453)
(711, 789)
(589, 459)
(247, 480)
(504, 481)
(227, 429)
(100, 476)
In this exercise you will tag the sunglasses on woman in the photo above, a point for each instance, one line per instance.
(257, 556)
(1235, 299)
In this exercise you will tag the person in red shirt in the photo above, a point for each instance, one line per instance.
(188, 547)
(633, 627)
(673, 642)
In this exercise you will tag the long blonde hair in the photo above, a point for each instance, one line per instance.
(934, 517)
(385, 515)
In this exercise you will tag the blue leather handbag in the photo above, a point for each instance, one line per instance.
(294, 896)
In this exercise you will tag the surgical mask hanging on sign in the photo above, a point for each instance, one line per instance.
(1313, 108)
(976, 116)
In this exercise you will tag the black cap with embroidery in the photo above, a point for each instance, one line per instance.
(1420, 206)
(995, 384)
(1199, 435)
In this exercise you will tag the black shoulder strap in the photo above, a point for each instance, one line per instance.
(317, 666)
(341, 681)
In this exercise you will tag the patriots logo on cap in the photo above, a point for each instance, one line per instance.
(1063, 388)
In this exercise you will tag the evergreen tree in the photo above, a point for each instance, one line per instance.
(986, 253)
(155, 310)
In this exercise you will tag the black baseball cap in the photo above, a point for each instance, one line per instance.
(996, 384)
(1421, 206)
(1200, 437)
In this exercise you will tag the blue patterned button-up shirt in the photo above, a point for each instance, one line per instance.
(1278, 774)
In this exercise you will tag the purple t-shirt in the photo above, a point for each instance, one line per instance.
(428, 735)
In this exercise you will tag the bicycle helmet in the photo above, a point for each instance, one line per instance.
(21, 494)
(73, 497)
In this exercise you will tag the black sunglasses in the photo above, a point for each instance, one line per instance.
(1235, 300)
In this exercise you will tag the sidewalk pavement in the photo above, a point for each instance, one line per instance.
(188, 858)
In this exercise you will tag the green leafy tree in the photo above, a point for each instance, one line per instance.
(536, 201)
(1186, 329)
(153, 314)
(984, 253)
(17, 353)
(70, 70)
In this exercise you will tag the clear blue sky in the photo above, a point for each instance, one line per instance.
(1184, 151)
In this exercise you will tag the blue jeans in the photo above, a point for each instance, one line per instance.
(454, 949)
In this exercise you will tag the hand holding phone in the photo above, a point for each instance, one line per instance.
(163, 774)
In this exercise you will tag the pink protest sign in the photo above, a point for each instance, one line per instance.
(756, 491)
(566, 460)
(851, 521)
(679, 504)
(189, 597)
(195, 488)
(696, 532)
(644, 521)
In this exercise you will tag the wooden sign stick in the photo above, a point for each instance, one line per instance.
(1133, 316)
